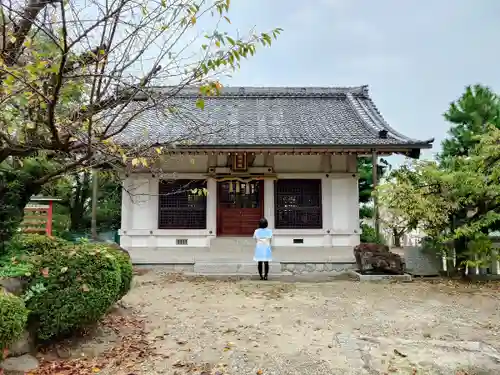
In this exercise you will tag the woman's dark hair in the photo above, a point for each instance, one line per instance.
(263, 223)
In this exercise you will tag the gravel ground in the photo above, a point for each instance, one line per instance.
(340, 327)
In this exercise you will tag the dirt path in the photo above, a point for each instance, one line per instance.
(341, 327)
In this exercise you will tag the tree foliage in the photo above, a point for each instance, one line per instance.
(74, 75)
(75, 193)
(365, 183)
(459, 202)
(412, 197)
(456, 201)
(470, 115)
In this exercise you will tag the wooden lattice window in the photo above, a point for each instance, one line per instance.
(181, 205)
(298, 204)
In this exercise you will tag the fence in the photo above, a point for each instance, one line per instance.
(427, 262)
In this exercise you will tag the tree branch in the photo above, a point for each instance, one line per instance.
(12, 49)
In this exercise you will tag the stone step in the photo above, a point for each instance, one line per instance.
(232, 243)
(230, 268)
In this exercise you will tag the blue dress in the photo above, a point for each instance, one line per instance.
(263, 245)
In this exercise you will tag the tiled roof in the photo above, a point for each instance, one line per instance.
(267, 117)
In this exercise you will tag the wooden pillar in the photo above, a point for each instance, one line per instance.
(48, 227)
(375, 200)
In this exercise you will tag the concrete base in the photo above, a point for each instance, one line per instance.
(300, 268)
(225, 252)
(232, 256)
(379, 278)
(233, 268)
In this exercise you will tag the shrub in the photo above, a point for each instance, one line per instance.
(73, 285)
(36, 244)
(22, 251)
(13, 265)
(126, 270)
(368, 235)
(13, 319)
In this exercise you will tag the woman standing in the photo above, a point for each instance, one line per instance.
(263, 256)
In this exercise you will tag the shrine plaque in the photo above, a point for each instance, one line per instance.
(240, 162)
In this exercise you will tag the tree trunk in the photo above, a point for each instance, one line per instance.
(77, 204)
(461, 255)
(397, 237)
(77, 221)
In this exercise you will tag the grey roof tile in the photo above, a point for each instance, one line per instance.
(264, 116)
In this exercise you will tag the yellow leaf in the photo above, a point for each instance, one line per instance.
(95, 370)
(158, 150)
(193, 20)
(135, 162)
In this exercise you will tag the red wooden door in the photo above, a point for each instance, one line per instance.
(240, 205)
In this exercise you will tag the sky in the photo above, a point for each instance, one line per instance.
(416, 55)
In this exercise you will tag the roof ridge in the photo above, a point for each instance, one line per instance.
(273, 91)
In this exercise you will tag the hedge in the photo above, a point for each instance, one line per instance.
(126, 270)
(74, 284)
(13, 319)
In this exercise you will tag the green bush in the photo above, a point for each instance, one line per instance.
(368, 235)
(22, 251)
(74, 284)
(13, 265)
(36, 244)
(126, 270)
(13, 319)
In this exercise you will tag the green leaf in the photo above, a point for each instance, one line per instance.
(200, 103)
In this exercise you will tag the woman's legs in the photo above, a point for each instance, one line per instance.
(259, 267)
(266, 270)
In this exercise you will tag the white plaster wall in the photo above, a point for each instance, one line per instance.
(173, 164)
(140, 221)
(339, 199)
(311, 163)
(345, 210)
(340, 212)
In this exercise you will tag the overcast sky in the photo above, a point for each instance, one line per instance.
(415, 55)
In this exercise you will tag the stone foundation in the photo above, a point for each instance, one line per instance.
(169, 267)
(380, 278)
(300, 268)
(250, 268)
